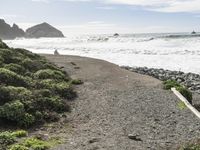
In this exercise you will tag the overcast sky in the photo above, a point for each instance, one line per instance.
(105, 16)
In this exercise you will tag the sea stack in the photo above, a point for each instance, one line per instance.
(116, 35)
(193, 32)
(43, 30)
(8, 32)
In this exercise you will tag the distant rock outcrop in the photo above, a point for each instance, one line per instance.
(8, 32)
(116, 35)
(40, 30)
(193, 32)
(43, 30)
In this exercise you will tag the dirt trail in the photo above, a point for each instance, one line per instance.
(114, 103)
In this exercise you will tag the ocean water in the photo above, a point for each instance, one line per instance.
(177, 51)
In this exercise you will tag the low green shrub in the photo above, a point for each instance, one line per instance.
(36, 144)
(51, 66)
(15, 111)
(77, 81)
(43, 93)
(27, 120)
(5, 95)
(170, 84)
(3, 45)
(54, 104)
(6, 53)
(29, 54)
(11, 78)
(15, 141)
(50, 74)
(32, 89)
(186, 93)
(190, 146)
(39, 116)
(183, 90)
(12, 111)
(15, 68)
(51, 104)
(51, 116)
(18, 147)
(45, 84)
(1, 61)
(32, 65)
(9, 93)
(19, 133)
(11, 56)
(6, 139)
(64, 90)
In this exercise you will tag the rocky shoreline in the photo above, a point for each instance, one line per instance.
(189, 80)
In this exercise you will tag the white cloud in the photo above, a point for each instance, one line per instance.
(140, 2)
(106, 8)
(76, 0)
(163, 5)
(46, 1)
(181, 6)
(153, 5)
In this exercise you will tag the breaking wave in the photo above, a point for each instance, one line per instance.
(168, 51)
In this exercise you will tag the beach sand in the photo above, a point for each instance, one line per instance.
(121, 110)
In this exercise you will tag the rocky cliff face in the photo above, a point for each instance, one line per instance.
(40, 30)
(8, 32)
(43, 30)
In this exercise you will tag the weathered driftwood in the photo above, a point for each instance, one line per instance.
(183, 99)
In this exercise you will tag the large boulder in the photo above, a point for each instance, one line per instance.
(43, 30)
(8, 32)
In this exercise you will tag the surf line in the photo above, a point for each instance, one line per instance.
(183, 99)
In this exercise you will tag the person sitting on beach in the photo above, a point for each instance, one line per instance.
(56, 52)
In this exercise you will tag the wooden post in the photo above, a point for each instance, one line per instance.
(183, 99)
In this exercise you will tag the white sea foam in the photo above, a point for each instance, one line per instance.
(174, 52)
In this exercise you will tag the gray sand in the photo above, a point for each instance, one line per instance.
(114, 103)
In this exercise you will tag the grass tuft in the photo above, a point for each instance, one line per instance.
(170, 84)
(181, 105)
(183, 90)
(77, 81)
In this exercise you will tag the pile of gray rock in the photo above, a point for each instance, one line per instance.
(189, 80)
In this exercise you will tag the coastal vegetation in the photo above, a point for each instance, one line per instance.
(183, 90)
(19, 140)
(170, 84)
(181, 105)
(194, 145)
(33, 91)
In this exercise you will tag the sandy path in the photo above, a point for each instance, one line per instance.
(114, 103)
